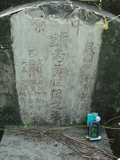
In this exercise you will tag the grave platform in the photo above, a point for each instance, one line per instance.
(45, 143)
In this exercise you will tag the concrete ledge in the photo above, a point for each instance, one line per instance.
(69, 144)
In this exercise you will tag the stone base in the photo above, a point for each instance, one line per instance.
(69, 144)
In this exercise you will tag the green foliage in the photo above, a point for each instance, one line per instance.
(26, 122)
(105, 24)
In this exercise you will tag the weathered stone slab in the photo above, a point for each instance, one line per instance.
(69, 144)
(56, 51)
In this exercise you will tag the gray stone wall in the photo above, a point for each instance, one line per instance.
(106, 92)
(106, 96)
(9, 108)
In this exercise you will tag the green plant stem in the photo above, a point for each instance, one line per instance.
(111, 120)
(107, 127)
(113, 18)
(99, 7)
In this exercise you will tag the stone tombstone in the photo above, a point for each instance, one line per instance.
(56, 49)
(56, 52)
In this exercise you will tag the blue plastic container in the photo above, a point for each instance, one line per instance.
(91, 117)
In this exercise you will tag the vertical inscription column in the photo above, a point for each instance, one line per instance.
(87, 62)
(32, 92)
(58, 46)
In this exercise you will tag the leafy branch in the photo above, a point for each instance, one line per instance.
(105, 24)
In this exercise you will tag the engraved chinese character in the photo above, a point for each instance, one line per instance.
(58, 66)
(84, 86)
(88, 58)
(24, 85)
(23, 92)
(57, 72)
(24, 69)
(56, 102)
(54, 40)
(89, 48)
(23, 62)
(83, 97)
(40, 26)
(39, 66)
(56, 93)
(55, 83)
(86, 66)
(91, 44)
(83, 105)
(31, 75)
(58, 52)
(85, 78)
(31, 53)
(23, 100)
(58, 55)
(40, 62)
(59, 59)
(63, 39)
